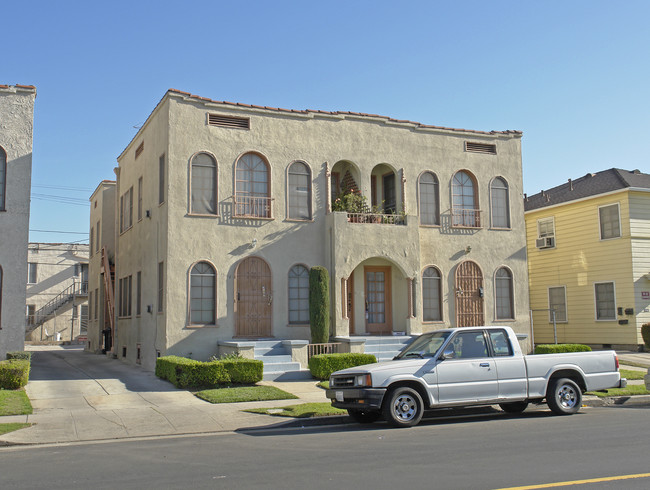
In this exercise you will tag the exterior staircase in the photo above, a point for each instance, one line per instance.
(278, 365)
(386, 347)
(50, 310)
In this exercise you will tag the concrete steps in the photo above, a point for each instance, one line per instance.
(278, 365)
(386, 347)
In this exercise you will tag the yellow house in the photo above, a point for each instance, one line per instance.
(588, 243)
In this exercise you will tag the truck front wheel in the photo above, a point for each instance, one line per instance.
(403, 407)
(564, 396)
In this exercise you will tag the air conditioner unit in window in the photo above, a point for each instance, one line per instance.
(545, 242)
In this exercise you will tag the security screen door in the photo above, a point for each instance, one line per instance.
(253, 298)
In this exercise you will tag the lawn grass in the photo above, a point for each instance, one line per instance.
(244, 394)
(4, 428)
(632, 374)
(14, 402)
(303, 410)
(629, 390)
(324, 384)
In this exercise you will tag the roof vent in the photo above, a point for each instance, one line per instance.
(229, 121)
(480, 148)
(139, 150)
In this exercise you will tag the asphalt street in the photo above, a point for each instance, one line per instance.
(480, 451)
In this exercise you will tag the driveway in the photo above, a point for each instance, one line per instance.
(78, 396)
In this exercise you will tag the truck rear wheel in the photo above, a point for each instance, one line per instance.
(403, 407)
(564, 396)
(513, 407)
(364, 417)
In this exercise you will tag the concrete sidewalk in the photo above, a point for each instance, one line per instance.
(79, 396)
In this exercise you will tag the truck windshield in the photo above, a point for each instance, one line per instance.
(426, 345)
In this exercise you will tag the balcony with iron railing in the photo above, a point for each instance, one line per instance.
(43, 314)
(465, 218)
(252, 207)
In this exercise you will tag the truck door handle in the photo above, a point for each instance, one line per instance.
(485, 364)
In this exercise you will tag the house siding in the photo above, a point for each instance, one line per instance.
(579, 260)
(640, 244)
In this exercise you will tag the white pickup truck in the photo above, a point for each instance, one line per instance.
(467, 367)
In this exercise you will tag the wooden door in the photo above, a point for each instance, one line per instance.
(469, 295)
(379, 315)
(350, 300)
(253, 298)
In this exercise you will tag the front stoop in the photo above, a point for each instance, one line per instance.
(386, 347)
(278, 365)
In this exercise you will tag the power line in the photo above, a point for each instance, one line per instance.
(56, 231)
(63, 188)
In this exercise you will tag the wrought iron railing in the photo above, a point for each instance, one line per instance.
(252, 207)
(77, 288)
(378, 218)
(465, 218)
(329, 348)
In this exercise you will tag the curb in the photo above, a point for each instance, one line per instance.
(610, 401)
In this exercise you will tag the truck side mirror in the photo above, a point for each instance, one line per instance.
(449, 353)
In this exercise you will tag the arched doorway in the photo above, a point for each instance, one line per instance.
(253, 298)
(469, 295)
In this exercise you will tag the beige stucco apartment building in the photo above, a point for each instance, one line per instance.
(57, 292)
(16, 130)
(220, 209)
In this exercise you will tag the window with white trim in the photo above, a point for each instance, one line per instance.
(431, 295)
(557, 303)
(429, 199)
(204, 184)
(299, 191)
(610, 222)
(299, 295)
(503, 292)
(500, 203)
(605, 297)
(202, 294)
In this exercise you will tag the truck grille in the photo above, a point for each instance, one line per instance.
(342, 382)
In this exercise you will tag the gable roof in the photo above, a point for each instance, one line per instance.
(609, 180)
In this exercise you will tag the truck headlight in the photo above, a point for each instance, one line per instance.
(363, 380)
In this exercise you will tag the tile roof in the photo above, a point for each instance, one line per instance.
(337, 113)
(602, 182)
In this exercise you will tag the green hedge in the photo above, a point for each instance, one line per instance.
(243, 371)
(188, 373)
(20, 354)
(645, 333)
(14, 374)
(322, 365)
(558, 348)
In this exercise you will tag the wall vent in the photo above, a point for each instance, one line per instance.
(139, 150)
(480, 148)
(229, 121)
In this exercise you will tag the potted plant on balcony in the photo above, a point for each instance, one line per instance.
(351, 202)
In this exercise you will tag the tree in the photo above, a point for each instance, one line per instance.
(319, 304)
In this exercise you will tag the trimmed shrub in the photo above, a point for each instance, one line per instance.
(20, 354)
(559, 348)
(14, 374)
(322, 365)
(188, 373)
(645, 333)
(243, 371)
(319, 304)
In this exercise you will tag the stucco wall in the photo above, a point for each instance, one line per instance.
(16, 131)
(178, 129)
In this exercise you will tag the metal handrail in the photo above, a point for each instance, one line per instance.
(466, 218)
(77, 288)
(252, 206)
(379, 218)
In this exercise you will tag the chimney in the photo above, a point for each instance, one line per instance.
(570, 184)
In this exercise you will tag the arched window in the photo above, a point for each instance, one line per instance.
(299, 191)
(464, 201)
(299, 295)
(252, 187)
(431, 295)
(503, 294)
(3, 177)
(204, 184)
(500, 205)
(429, 199)
(202, 294)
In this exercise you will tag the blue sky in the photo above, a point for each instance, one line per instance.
(572, 75)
